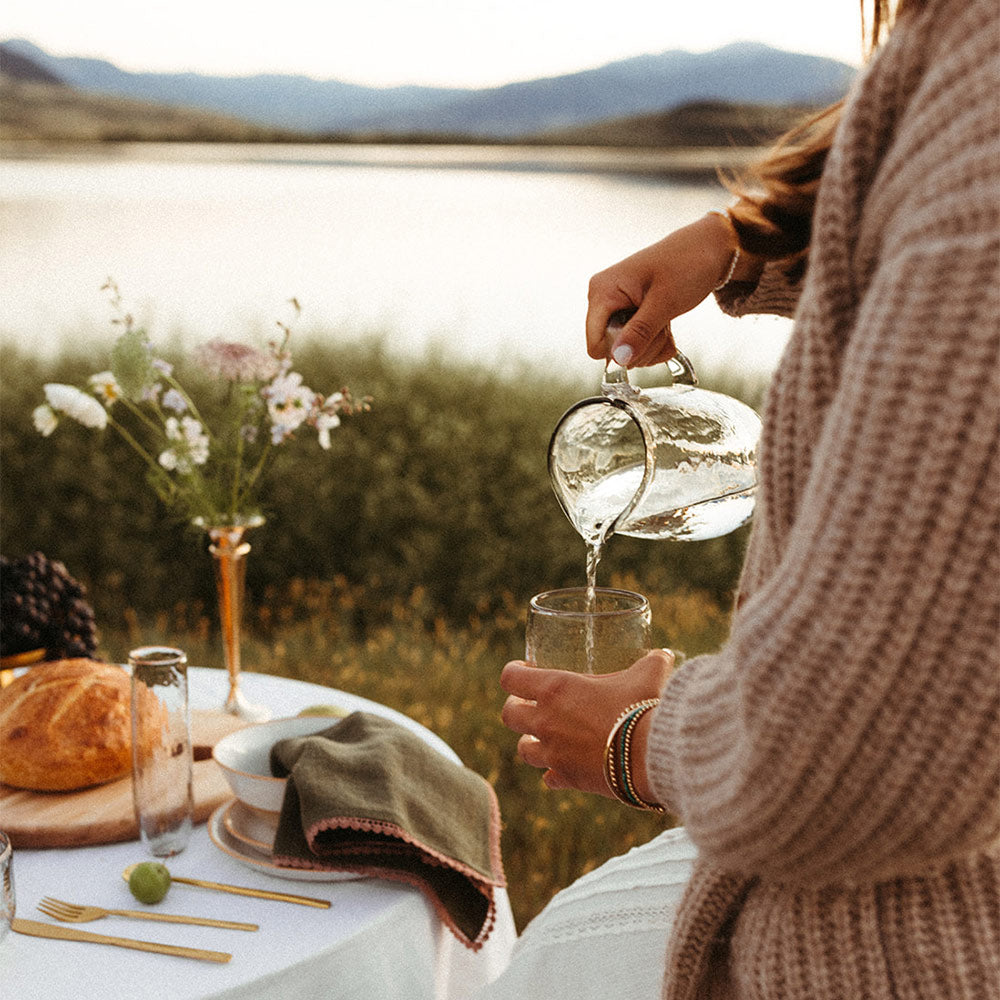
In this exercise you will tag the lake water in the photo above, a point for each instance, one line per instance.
(483, 253)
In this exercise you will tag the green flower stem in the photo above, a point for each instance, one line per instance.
(169, 489)
(138, 448)
(237, 471)
(251, 479)
(141, 414)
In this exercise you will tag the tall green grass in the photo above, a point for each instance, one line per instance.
(396, 566)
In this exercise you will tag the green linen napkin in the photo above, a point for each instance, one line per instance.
(369, 796)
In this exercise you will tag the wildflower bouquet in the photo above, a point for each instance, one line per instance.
(204, 462)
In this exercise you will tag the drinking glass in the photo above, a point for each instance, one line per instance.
(7, 900)
(162, 761)
(593, 632)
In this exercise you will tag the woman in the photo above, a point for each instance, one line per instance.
(836, 763)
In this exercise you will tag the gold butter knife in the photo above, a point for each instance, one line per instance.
(35, 928)
(239, 890)
(282, 897)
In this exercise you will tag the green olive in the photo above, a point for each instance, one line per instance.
(149, 881)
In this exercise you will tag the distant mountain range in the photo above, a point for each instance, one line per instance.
(744, 73)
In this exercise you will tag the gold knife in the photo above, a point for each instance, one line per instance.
(36, 928)
(284, 897)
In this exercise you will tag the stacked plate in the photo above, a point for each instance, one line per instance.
(254, 828)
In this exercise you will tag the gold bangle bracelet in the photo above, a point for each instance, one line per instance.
(618, 779)
(609, 753)
(634, 797)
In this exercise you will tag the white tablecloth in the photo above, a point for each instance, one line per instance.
(379, 940)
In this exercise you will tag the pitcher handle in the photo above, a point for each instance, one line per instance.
(681, 370)
(616, 377)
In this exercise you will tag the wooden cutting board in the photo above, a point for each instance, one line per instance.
(103, 815)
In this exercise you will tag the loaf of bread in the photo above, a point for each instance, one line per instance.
(66, 725)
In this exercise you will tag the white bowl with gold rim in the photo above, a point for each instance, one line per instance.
(245, 758)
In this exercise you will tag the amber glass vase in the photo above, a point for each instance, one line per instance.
(229, 549)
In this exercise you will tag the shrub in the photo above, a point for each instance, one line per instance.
(443, 486)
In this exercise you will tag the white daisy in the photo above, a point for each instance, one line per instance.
(105, 387)
(289, 404)
(76, 404)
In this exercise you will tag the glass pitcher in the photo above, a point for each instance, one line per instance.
(671, 462)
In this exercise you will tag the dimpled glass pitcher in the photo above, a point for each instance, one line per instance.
(671, 462)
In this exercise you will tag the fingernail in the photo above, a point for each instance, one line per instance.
(622, 355)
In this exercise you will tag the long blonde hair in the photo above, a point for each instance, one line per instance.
(773, 217)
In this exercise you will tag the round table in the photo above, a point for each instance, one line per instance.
(379, 939)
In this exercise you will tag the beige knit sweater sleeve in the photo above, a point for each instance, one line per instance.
(849, 728)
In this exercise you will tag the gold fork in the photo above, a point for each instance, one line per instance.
(74, 913)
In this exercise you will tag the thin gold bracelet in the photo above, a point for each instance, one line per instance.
(734, 260)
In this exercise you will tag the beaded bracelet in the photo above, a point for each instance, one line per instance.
(734, 260)
(618, 757)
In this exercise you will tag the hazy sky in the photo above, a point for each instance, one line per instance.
(467, 43)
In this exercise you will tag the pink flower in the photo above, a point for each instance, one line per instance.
(236, 362)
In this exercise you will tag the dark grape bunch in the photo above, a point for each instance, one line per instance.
(41, 605)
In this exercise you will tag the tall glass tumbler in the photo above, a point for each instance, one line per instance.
(593, 632)
(8, 905)
(162, 761)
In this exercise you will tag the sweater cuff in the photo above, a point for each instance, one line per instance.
(690, 723)
(772, 293)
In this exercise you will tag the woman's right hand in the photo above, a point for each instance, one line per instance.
(660, 282)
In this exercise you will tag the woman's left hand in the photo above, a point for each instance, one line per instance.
(565, 717)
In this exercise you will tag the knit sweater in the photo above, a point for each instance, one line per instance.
(837, 763)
